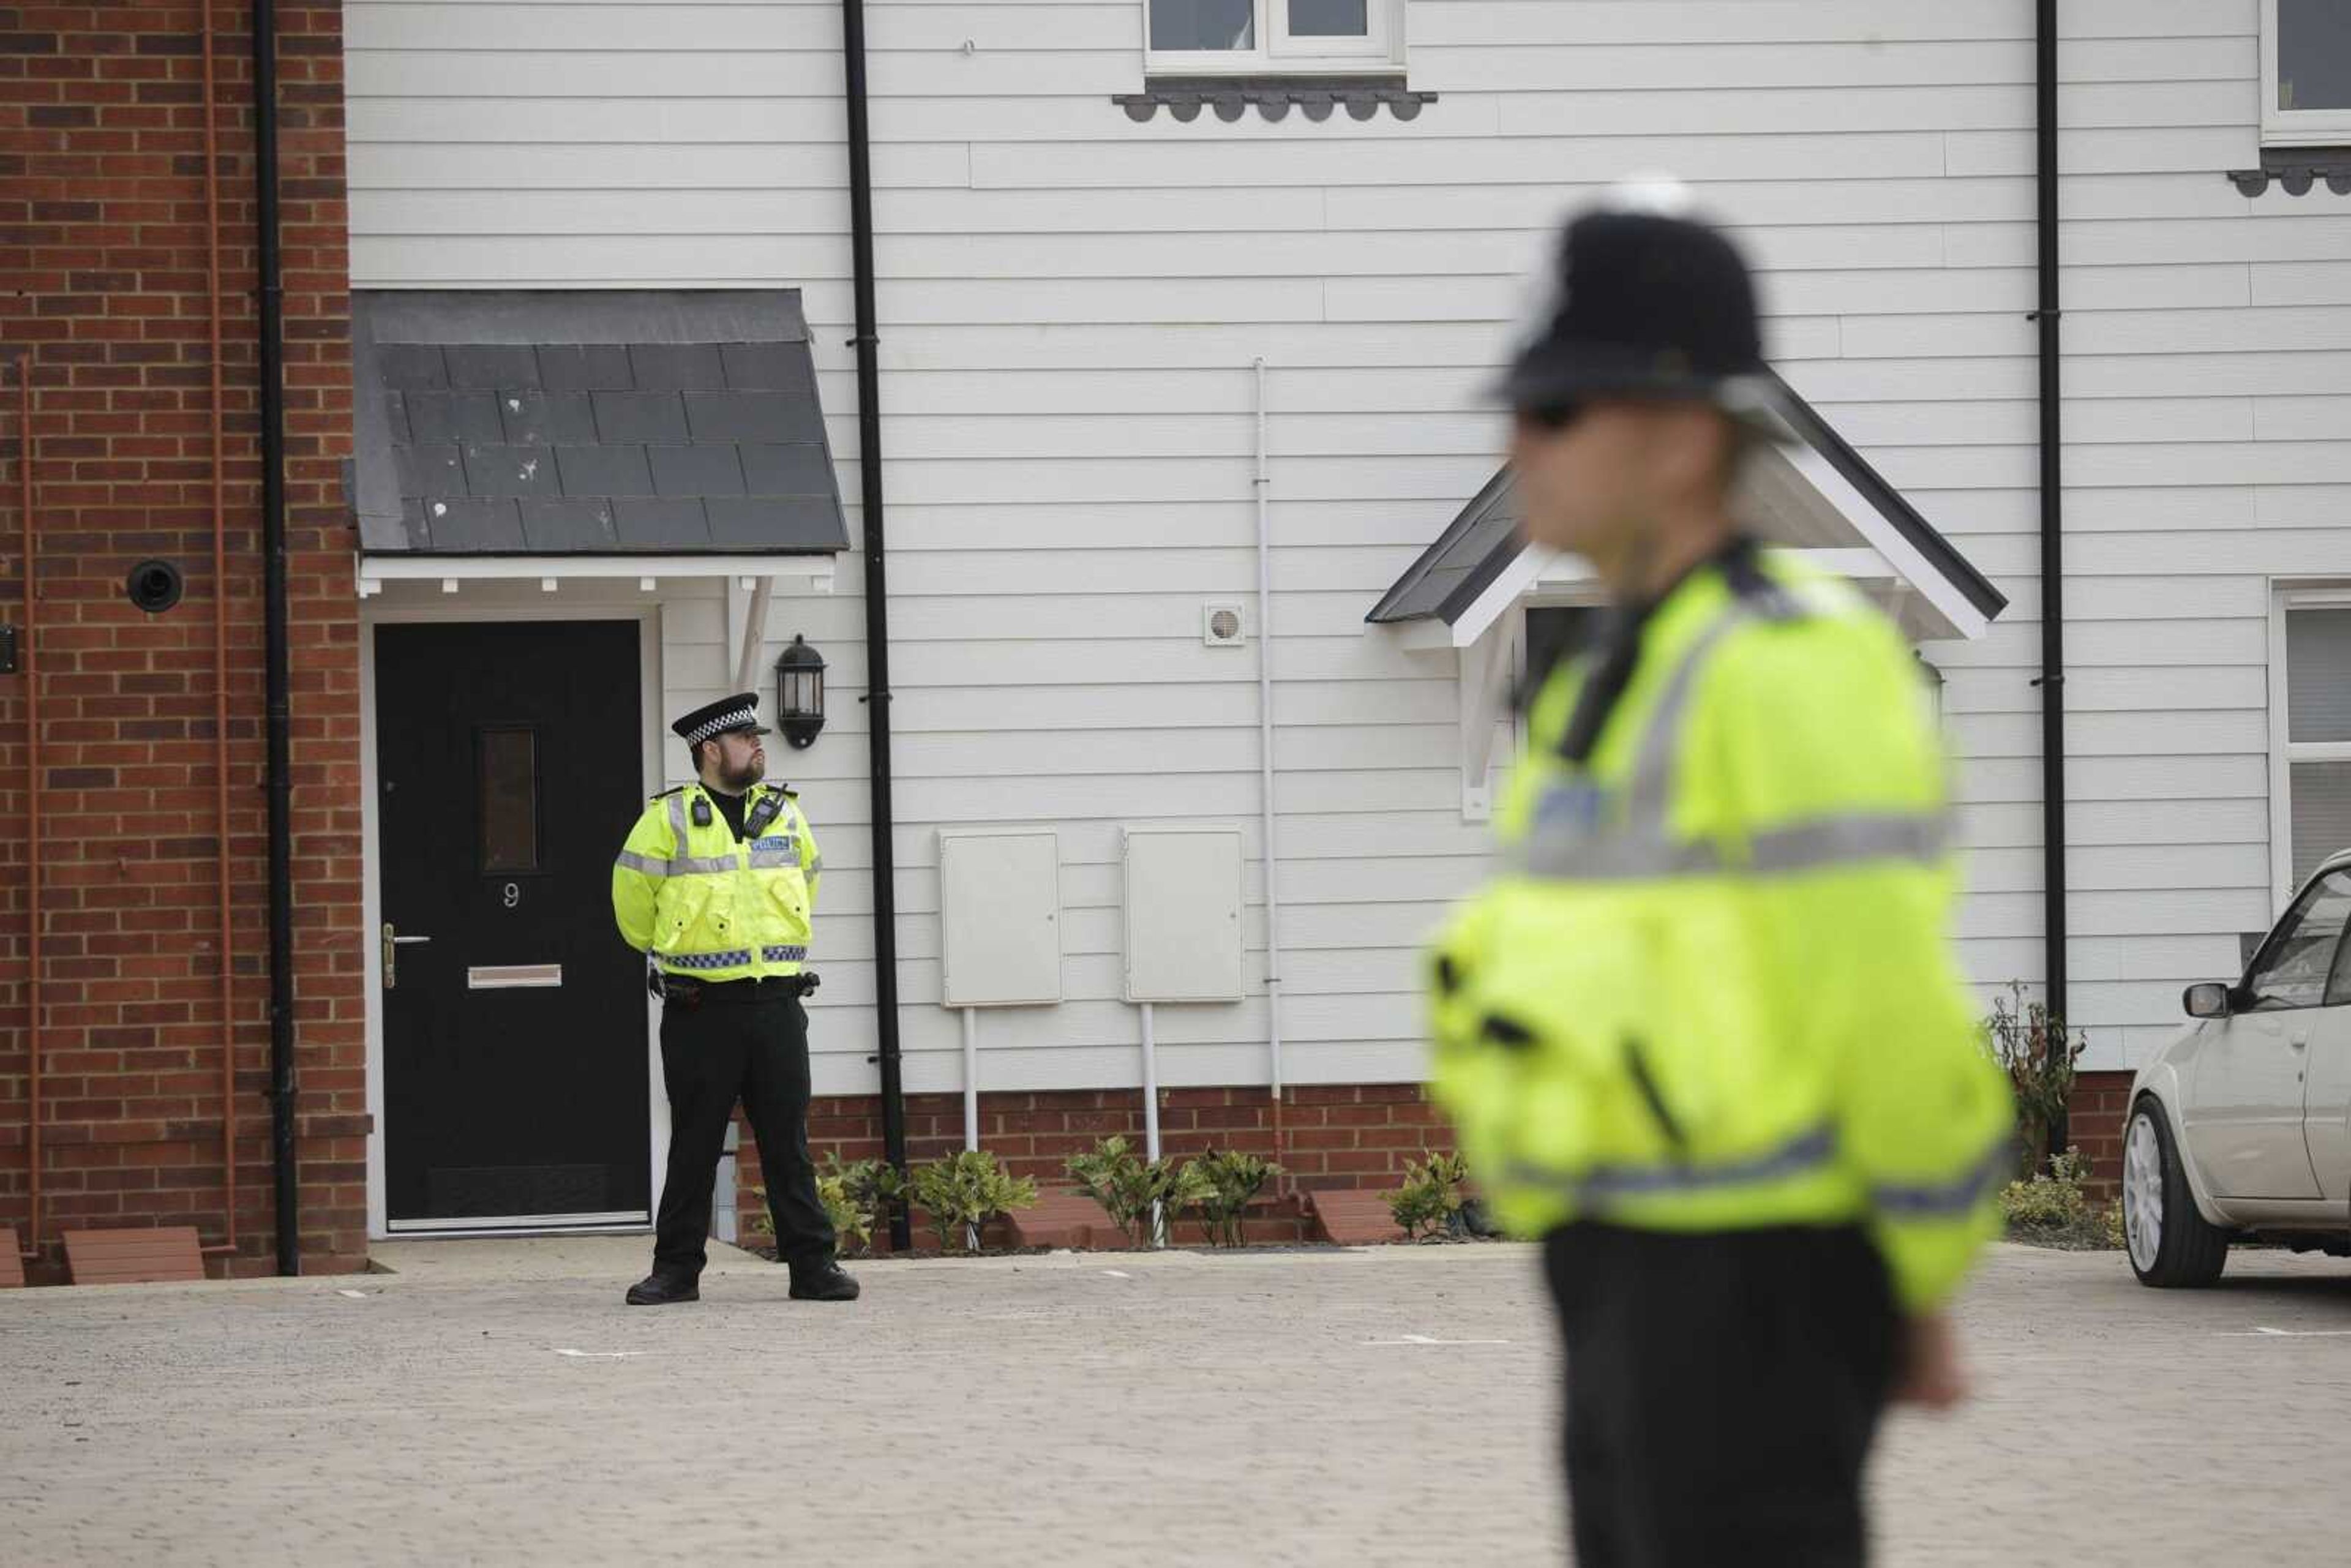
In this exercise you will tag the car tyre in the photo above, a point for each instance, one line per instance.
(2169, 1244)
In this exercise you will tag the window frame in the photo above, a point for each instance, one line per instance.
(2263, 956)
(2285, 750)
(1277, 53)
(2293, 126)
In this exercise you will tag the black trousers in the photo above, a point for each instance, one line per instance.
(1722, 1391)
(714, 1052)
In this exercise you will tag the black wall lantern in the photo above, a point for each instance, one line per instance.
(800, 692)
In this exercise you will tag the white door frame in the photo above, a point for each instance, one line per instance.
(375, 613)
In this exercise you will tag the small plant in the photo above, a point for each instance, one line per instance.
(1232, 1180)
(2053, 1208)
(2038, 1054)
(964, 1191)
(1131, 1189)
(857, 1196)
(1430, 1199)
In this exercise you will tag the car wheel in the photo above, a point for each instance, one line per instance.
(2169, 1243)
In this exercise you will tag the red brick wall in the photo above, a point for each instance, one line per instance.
(2095, 1120)
(1333, 1135)
(102, 280)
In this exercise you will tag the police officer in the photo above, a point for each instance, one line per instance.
(1703, 1032)
(717, 883)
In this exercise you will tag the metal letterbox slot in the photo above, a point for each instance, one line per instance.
(512, 977)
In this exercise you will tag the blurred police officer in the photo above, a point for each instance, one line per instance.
(717, 883)
(1704, 1033)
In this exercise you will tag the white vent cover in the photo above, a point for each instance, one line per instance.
(1221, 626)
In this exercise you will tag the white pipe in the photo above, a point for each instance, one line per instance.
(971, 1078)
(1265, 746)
(1151, 1110)
(755, 631)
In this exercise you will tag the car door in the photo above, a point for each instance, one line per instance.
(2327, 1086)
(2246, 1105)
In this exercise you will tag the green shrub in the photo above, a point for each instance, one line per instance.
(2054, 1209)
(857, 1196)
(1131, 1189)
(2038, 1054)
(1232, 1179)
(1430, 1199)
(964, 1191)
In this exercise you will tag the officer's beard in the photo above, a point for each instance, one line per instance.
(738, 780)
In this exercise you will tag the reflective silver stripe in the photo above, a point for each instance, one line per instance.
(1807, 1151)
(815, 866)
(1637, 846)
(1843, 841)
(1932, 1200)
(677, 820)
(771, 858)
(702, 865)
(645, 863)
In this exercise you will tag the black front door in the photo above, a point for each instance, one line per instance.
(514, 1068)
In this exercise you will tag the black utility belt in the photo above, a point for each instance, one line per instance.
(686, 991)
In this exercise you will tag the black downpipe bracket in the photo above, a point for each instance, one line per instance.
(877, 606)
(277, 680)
(2053, 541)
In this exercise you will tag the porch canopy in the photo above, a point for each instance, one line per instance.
(518, 433)
(1814, 493)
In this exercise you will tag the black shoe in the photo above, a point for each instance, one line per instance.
(661, 1289)
(822, 1280)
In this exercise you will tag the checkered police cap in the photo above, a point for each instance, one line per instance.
(740, 711)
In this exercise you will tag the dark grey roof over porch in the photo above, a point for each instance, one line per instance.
(590, 423)
(1482, 540)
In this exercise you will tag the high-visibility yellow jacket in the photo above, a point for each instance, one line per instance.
(703, 904)
(1711, 987)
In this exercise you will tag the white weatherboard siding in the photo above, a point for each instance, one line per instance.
(1070, 304)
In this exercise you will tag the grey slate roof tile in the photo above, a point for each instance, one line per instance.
(659, 522)
(453, 416)
(590, 421)
(802, 470)
(677, 367)
(510, 471)
(584, 367)
(604, 471)
(476, 524)
(431, 470)
(762, 367)
(566, 525)
(696, 470)
(639, 416)
(410, 365)
(545, 419)
(491, 366)
(739, 416)
(771, 522)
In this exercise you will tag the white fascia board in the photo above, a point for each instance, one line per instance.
(374, 570)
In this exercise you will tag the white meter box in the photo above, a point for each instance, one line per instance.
(1000, 919)
(1182, 915)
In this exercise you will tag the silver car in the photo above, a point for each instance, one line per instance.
(2240, 1130)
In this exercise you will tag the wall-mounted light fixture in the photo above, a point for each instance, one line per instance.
(800, 692)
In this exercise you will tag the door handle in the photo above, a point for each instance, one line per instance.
(393, 942)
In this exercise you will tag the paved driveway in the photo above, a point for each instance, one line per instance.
(494, 1403)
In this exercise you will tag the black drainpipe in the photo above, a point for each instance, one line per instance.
(277, 678)
(877, 606)
(2051, 681)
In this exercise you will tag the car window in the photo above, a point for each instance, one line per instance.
(2295, 965)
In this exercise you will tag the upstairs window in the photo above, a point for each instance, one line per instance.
(2305, 73)
(1270, 37)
